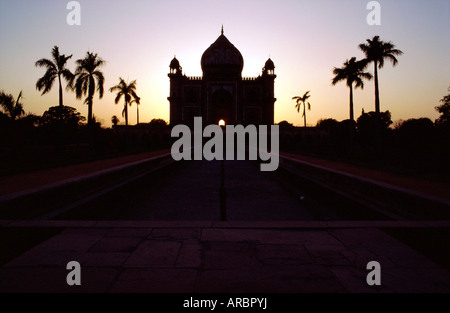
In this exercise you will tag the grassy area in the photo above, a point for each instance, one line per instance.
(31, 158)
(423, 165)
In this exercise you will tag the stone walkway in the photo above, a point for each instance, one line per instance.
(191, 193)
(31, 180)
(126, 256)
(146, 256)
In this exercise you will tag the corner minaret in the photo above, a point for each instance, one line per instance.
(176, 83)
(268, 77)
(269, 68)
(175, 67)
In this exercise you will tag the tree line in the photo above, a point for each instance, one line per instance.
(353, 72)
(86, 81)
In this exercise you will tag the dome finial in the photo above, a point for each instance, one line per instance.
(222, 30)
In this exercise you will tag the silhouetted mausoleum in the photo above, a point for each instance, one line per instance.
(222, 92)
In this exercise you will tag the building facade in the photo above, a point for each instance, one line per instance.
(222, 92)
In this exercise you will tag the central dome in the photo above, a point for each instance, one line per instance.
(222, 58)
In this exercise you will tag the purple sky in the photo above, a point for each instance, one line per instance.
(305, 39)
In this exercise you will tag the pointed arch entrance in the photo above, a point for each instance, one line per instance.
(221, 106)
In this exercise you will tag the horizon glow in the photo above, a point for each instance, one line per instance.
(305, 39)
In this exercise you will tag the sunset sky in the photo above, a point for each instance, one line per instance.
(305, 39)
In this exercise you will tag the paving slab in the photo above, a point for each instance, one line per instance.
(26, 279)
(56, 251)
(116, 244)
(354, 280)
(364, 256)
(331, 254)
(104, 259)
(53, 280)
(272, 279)
(220, 255)
(269, 236)
(155, 280)
(190, 255)
(154, 253)
(129, 232)
(177, 233)
(283, 254)
(188, 258)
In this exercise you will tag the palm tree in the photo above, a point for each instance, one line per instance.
(351, 72)
(377, 51)
(56, 67)
(86, 75)
(128, 91)
(301, 101)
(13, 108)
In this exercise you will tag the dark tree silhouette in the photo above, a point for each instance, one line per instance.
(128, 91)
(115, 120)
(377, 51)
(327, 124)
(367, 123)
(351, 72)
(31, 119)
(4, 119)
(158, 123)
(284, 125)
(69, 115)
(13, 108)
(56, 67)
(417, 130)
(334, 134)
(444, 110)
(89, 78)
(301, 101)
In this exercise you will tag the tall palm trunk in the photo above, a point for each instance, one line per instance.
(90, 100)
(304, 113)
(137, 106)
(126, 114)
(90, 111)
(377, 92)
(352, 119)
(90, 117)
(126, 124)
(60, 122)
(60, 92)
(377, 110)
